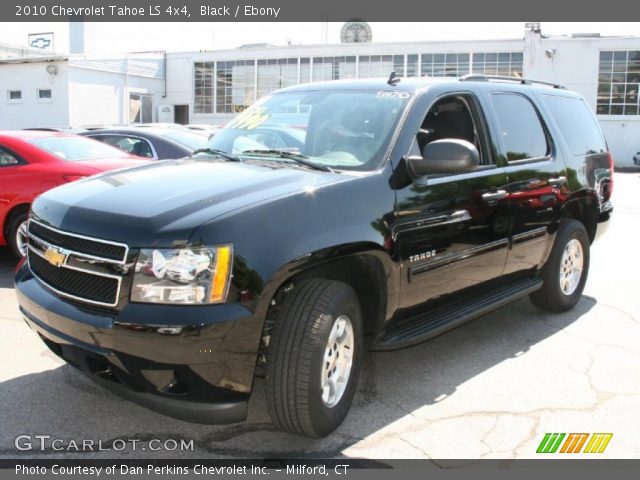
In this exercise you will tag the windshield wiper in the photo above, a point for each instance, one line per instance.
(217, 153)
(296, 157)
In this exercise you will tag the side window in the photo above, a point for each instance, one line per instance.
(132, 145)
(7, 159)
(453, 117)
(144, 149)
(522, 133)
(108, 139)
(577, 123)
(268, 139)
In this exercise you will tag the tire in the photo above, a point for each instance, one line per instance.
(298, 358)
(560, 293)
(16, 222)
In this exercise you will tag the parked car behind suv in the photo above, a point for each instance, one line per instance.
(411, 207)
(33, 161)
(149, 141)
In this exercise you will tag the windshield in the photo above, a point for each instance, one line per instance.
(345, 130)
(190, 140)
(74, 149)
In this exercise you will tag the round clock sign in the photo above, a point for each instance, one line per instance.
(355, 32)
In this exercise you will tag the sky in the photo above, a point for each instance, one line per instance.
(130, 37)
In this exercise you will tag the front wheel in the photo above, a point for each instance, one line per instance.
(18, 235)
(565, 273)
(314, 358)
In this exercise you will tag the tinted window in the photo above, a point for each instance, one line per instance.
(132, 145)
(579, 127)
(7, 159)
(520, 128)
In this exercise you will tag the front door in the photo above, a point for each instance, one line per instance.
(452, 230)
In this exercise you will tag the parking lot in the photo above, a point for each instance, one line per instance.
(490, 389)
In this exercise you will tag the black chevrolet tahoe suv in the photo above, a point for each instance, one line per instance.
(325, 219)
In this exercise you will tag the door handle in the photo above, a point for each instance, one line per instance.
(493, 197)
(557, 181)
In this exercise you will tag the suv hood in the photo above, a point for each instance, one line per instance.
(159, 204)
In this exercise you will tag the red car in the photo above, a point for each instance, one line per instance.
(32, 162)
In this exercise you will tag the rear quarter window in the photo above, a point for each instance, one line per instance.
(7, 159)
(577, 124)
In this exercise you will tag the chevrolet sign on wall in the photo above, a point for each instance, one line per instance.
(43, 41)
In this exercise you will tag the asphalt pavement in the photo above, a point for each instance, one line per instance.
(489, 389)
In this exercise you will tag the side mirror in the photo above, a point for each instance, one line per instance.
(448, 155)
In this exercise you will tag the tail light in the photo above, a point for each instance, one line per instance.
(72, 178)
(610, 192)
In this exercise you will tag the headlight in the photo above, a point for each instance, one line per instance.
(183, 276)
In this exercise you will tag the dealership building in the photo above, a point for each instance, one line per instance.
(45, 89)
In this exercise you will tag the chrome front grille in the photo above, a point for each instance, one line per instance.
(86, 246)
(82, 268)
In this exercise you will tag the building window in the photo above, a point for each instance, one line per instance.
(333, 68)
(305, 70)
(235, 85)
(323, 69)
(14, 96)
(444, 64)
(413, 66)
(43, 95)
(498, 63)
(203, 87)
(372, 66)
(618, 82)
(231, 86)
(275, 74)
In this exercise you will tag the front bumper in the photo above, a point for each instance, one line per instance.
(195, 363)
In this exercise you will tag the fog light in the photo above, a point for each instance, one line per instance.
(162, 294)
(169, 330)
(186, 294)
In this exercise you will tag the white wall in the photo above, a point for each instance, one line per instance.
(180, 81)
(30, 113)
(98, 97)
(623, 137)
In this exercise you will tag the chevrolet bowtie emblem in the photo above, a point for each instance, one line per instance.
(54, 256)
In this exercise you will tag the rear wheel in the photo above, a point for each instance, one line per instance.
(17, 238)
(565, 273)
(314, 358)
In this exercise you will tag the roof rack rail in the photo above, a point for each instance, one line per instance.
(503, 78)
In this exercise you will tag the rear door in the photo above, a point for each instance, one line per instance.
(585, 151)
(537, 183)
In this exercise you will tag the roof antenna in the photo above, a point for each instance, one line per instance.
(393, 79)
